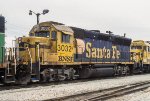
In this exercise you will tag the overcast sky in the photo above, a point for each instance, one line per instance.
(119, 16)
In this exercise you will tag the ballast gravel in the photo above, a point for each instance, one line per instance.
(54, 91)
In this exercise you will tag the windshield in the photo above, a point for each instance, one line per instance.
(41, 34)
(136, 47)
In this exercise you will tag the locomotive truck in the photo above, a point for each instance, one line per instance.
(54, 51)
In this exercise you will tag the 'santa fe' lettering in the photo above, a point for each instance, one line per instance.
(92, 52)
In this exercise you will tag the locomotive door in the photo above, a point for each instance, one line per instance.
(52, 49)
(54, 41)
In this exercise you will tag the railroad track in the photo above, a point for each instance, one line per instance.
(33, 85)
(105, 94)
(120, 91)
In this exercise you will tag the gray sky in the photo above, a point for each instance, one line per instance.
(119, 16)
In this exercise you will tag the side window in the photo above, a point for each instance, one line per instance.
(31, 34)
(65, 38)
(148, 48)
(144, 48)
(68, 38)
(37, 34)
(47, 34)
(54, 34)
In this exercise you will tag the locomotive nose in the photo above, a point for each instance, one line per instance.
(136, 56)
(31, 47)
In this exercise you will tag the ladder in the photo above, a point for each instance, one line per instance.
(35, 69)
(10, 66)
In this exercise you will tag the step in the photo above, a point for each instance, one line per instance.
(1, 84)
(9, 75)
(76, 75)
(34, 80)
(9, 78)
(9, 81)
(33, 74)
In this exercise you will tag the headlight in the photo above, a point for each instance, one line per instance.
(19, 39)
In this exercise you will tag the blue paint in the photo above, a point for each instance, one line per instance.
(124, 51)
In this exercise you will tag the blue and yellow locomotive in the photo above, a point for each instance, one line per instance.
(140, 54)
(54, 51)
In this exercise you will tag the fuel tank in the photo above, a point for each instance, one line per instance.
(97, 71)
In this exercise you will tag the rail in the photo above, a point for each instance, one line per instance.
(120, 92)
(105, 94)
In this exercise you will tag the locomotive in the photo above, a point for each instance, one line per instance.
(2, 38)
(2, 44)
(55, 52)
(140, 54)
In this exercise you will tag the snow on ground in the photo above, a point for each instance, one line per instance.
(53, 91)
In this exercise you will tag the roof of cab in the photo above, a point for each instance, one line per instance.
(58, 26)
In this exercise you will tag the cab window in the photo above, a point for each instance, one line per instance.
(65, 38)
(42, 34)
(31, 34)
(54, 34)
(136, 47)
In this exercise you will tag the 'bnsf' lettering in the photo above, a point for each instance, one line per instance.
(92, 52)
(65, 58)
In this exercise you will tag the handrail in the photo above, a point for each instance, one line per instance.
(39, 55)
(15, 65)
(14, 53)
(7, 58)
(30, 57)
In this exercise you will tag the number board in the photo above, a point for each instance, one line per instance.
(65, 53)
(44, 28)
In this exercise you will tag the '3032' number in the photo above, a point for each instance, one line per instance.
(64, 48)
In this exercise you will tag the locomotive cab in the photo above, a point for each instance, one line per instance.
(49, 45)
(52, 43)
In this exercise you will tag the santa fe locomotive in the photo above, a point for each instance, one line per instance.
(54, 51)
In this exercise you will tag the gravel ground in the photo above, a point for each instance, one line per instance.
(53, 91)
